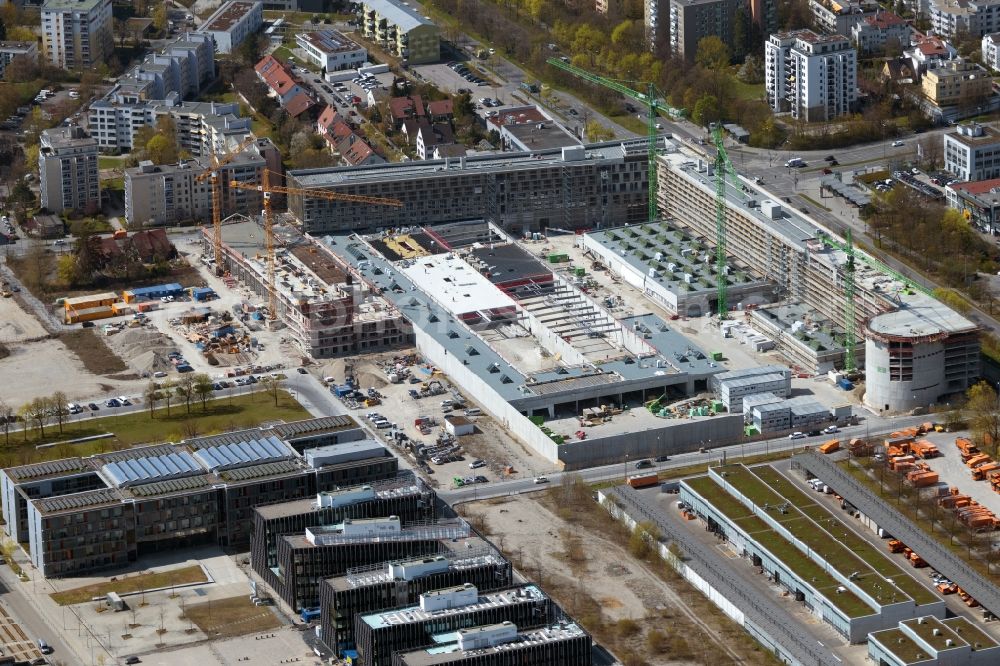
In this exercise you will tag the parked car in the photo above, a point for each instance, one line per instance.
(476, 464)
(797, 435)
(644, 463)
(541, 479)
(897, 144)
(302, 371)
(93, 407)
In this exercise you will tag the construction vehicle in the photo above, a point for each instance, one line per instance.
(214, 175)
(895, 546)
(921, 478)
(859, 447)
(916, 561)
(830, 446)
(966, 448)
(980, 473)
(977, 460)
(924, 449)
(267, 189)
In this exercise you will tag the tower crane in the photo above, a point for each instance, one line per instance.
(850, 289)
(267, 189)
(651, 99)
(214, 175)
(723, 168)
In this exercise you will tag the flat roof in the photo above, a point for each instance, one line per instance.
(448, 652)
(901, 646)
(509, 262)
(541, 135)
(469, 553)
(412, 614)
(328, 41)
(313, 427)
(805, 325)
(404, 485)
(77, 501)
(71, 5)
(404, 17)
(35, 471)
(455, 285)
(228, 15)
(476, 164)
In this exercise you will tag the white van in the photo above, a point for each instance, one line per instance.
(795, 162)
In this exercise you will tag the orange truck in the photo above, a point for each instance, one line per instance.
(966, 447)
(977, 460)
(860, 447)
(916, 561)
(979, 473)
(924, 449)
(895, 546)
(921, 478)
(830, 447)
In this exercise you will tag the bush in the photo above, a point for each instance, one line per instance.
(627, 627)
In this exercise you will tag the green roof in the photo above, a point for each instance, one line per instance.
(904, 648)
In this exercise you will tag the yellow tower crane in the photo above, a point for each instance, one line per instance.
(267, 190)
(214, 175)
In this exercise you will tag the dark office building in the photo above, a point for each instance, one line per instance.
(395, 584)
(381, 635)
(305, 560)
(85, 514)
(314, 433)
(404, 495)
(562, 644)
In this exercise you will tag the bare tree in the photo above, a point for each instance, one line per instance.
(168, 394)
(60, 410)
(6, 418)
(37, 412)
(185, 389)
(271, 385)
(151, 395)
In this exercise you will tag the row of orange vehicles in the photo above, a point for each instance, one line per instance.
(897, 546)
(970, 513)
(983, 467)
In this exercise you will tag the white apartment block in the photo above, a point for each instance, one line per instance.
(955, 18)
(232, 23)
(838, 18)
(991, 52)
(331, 50)
(972, 152)
(878, 30)
(11, 50)
(77, 34)
(203, 128)
(812, 76)
(160, 194)
(183, 67)
(67, 171)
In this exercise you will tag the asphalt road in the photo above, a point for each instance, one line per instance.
(23, 610)
(873, 426)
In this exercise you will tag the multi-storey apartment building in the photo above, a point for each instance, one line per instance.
(76, 34)
(232, 23)
(812, 76)
(692, 20)
(838, 18)
(401, 30)
(332, 50)
(159, 194)
(957, 82)
(67, 171)
(11, 50)
(979, 202)
(103, 511)
(203, 128)
(182, 67)
(876, 31)
(951, 19)
(573, 187)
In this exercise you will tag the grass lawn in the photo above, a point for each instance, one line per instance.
(113, 184)
(225, 413)
(752, 91)
(234, 616)
(109, 161)
(150, 581)
(283, 53)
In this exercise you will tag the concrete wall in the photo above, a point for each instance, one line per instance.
(668, 440)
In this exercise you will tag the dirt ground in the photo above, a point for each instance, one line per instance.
(626, 603)
(490, 443)
(16, 325)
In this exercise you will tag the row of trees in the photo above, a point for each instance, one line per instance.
(186, 390)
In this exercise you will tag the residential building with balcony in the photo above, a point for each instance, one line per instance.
(991, 51)
(972, 152)
(184, 67)
(232, 23)
(401, 30)
(814, 77)
(690, 21)
(331, 50)
(952, 19)
(67, 171)
(838, 18)
(77, 34)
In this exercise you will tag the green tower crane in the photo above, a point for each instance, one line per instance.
(653, 102)
(723, 169)
(850, 289)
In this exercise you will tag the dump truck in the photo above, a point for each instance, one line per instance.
(924, 449)
(916, 561)
(979, 473)
(922, 478)
(643, 480)
(977, 460)
(830, 446)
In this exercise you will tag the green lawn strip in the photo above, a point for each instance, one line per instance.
(150, 581)
(109, 162)
(219, 415)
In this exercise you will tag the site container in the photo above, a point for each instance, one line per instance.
(643, 480)
(558, 257)
(830, 447)
(845, 383)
